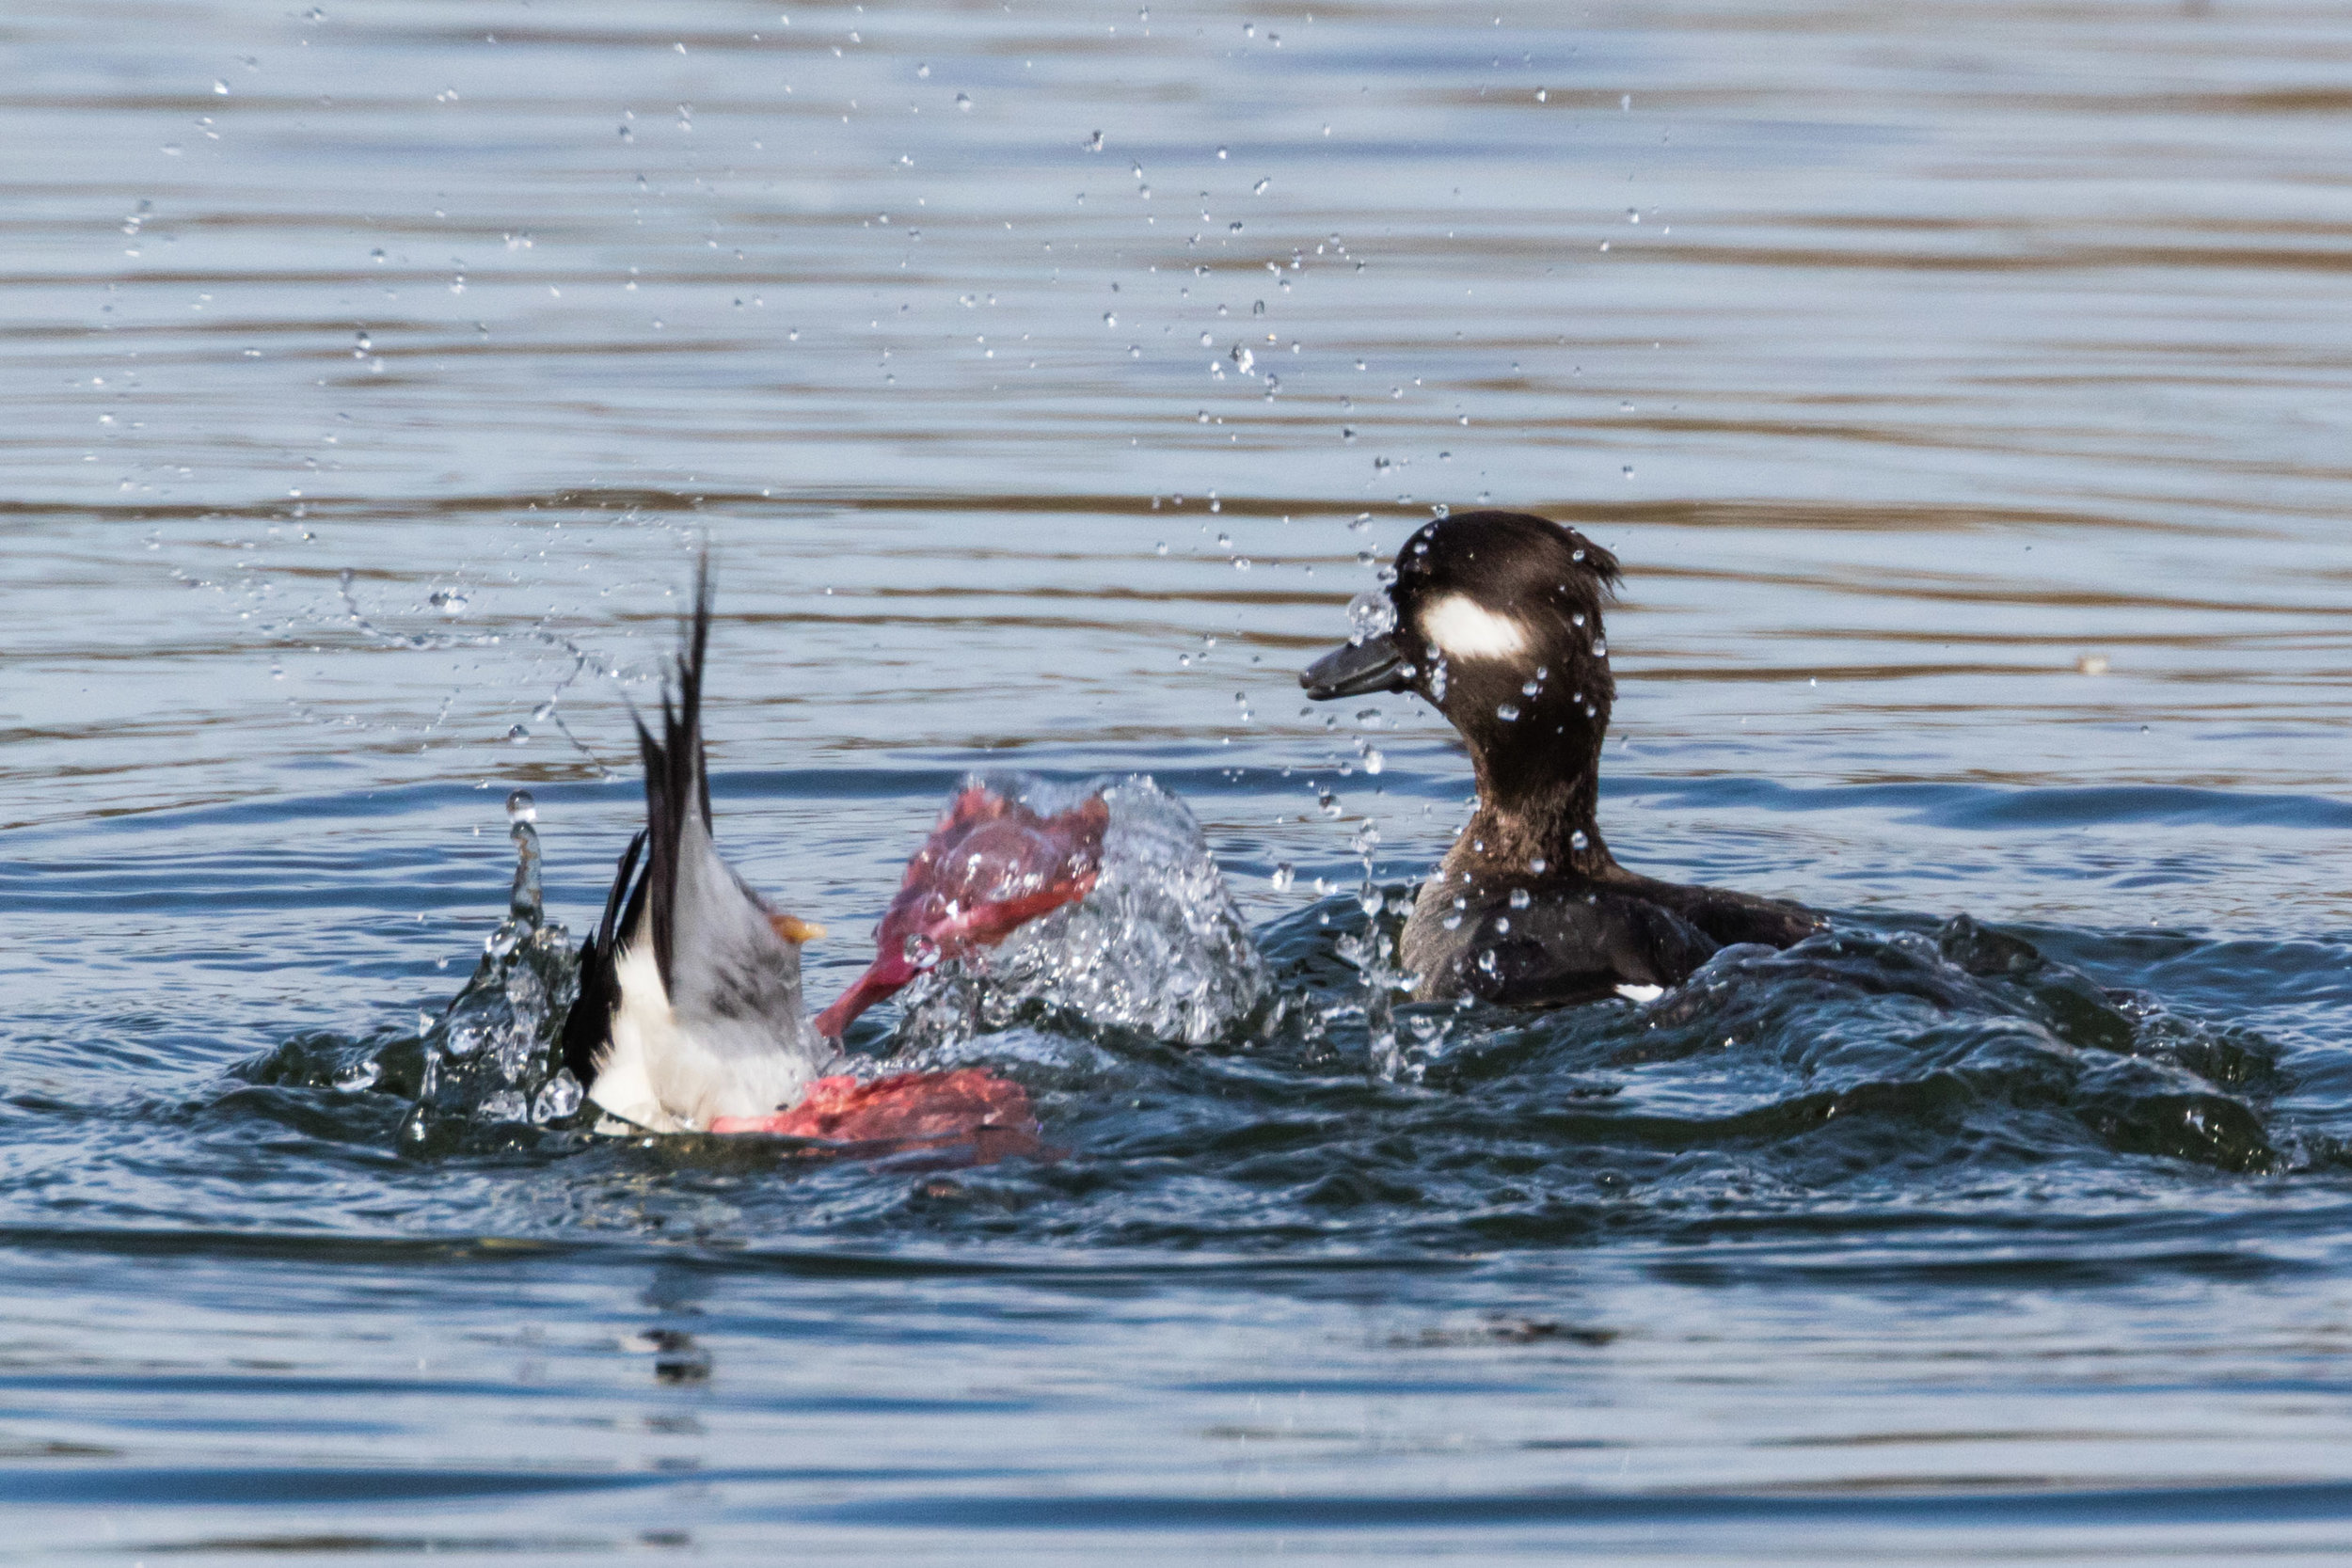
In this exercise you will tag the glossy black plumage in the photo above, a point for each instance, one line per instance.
(589, 1024)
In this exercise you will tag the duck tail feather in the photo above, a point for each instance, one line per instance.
(677, 777)
(727, 972)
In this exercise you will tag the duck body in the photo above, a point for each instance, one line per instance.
(689, 1009)
(690, 1016)
(1505, 934)
(1495, 619)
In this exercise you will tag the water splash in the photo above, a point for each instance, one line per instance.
(1372, 953)
(494, 1055)
(1157, 948)
(490, 1063)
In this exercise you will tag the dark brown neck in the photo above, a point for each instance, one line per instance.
(1528, 814)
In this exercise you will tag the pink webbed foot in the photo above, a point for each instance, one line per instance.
(990, 866)
(969, 1108)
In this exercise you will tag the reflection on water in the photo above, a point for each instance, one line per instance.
(1961, 385)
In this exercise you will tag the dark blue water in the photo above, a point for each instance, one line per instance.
(1967, 405)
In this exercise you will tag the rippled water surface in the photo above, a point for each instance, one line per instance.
(1962, 385)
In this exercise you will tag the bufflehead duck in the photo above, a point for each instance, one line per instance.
(1495, 619)
(690, 1016)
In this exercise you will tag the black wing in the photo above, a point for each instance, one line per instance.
(589, 1026)
(1729, 917)
(1573, 947)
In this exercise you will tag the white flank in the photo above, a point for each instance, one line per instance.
(644, 1032)
(1465, 628)
(1636, 993)
(660, 1078)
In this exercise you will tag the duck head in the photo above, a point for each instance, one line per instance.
(1494, 618)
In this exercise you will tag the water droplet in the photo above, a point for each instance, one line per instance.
(1369, 614)
(1520, 898)
(1578, 840)
(520, 807)
(1374, 759)
(963, 102)
(1094, 143)
(221, 88)
(1539, 865)
(1600, 649)
(1220, 153)
(558, 1099)
(1282, 877)
(517, 736)
(449, 601)
(1502, 925)
(1507, 712)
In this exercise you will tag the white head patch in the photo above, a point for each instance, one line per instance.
(1463, 628)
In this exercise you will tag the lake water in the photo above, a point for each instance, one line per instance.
(1962, 385)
